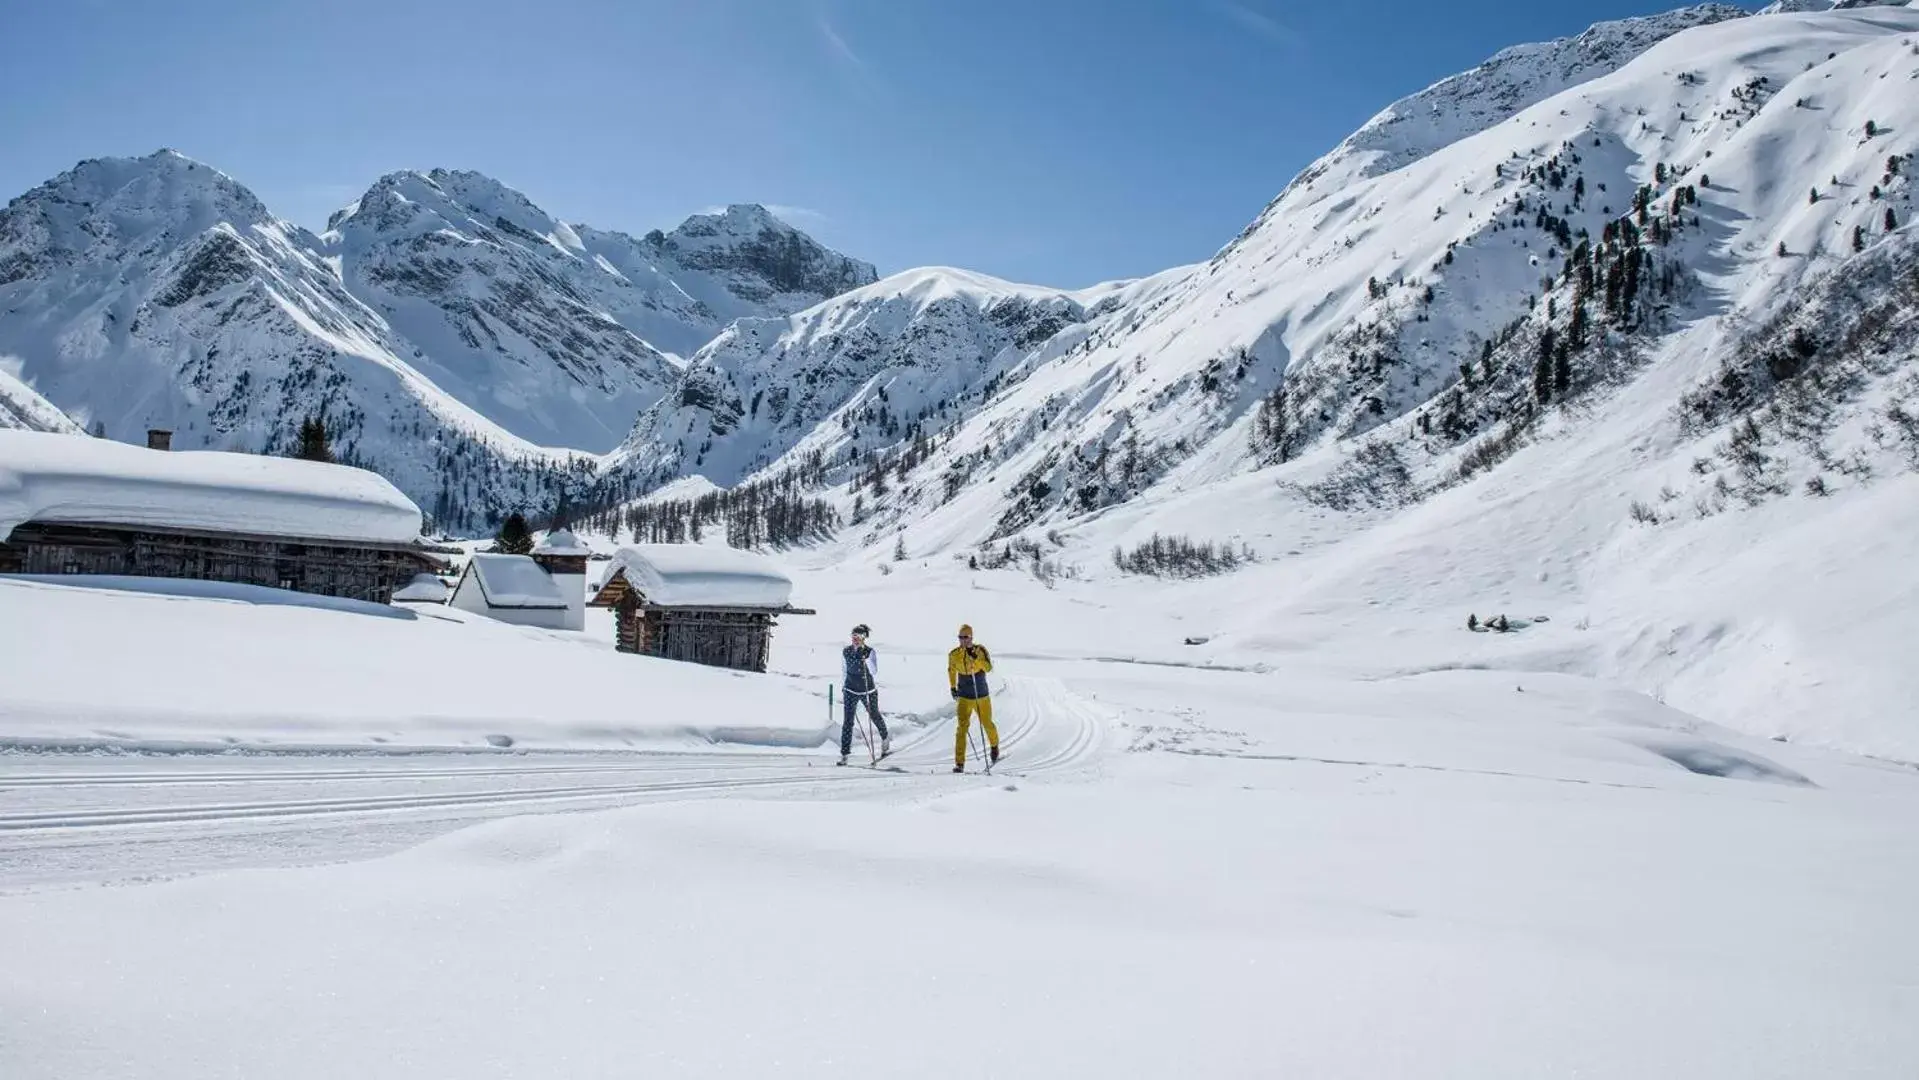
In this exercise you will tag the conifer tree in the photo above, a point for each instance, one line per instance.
(1543, 367)
(514, 538)
(314, 445)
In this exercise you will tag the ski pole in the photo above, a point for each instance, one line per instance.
(866, 727)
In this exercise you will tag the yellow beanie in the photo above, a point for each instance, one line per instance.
(966, 630)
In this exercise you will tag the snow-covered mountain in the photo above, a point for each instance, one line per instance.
(549, 328)
(911, 354)
(742, 262)
(1511, 80)
(158, 292)
(22, 409)
(1658, 190)
(449, 329)
(497, 306)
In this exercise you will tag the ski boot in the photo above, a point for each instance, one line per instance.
(841, 761)
(994, 753)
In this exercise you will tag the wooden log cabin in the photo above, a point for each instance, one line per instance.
(702, 605)
(78, 505)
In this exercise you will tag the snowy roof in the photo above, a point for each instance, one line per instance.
(424, 589)
(512, 581)
(696, 575)
(64, 478)
(561, 542)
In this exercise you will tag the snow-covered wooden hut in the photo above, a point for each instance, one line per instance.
(71, 504)
(706, 605)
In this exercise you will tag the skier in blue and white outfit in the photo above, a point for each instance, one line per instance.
(859, 666)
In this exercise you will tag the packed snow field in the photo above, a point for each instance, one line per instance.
(1300, 863)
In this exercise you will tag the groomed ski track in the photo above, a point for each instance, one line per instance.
(73, 818)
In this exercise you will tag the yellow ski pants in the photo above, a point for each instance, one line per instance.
(967, 707)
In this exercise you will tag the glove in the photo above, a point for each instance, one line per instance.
(972, 652)
(956, 693)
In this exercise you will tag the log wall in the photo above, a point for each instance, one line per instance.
(324, 568)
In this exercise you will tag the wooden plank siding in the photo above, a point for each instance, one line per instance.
(324, 567)
(720, 636)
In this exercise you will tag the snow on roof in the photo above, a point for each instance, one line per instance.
(89, 481)
(696, 575)
(561, 542)
(424, 589)
(513, 581)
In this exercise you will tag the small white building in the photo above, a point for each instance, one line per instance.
(546, 588)
(510, 588)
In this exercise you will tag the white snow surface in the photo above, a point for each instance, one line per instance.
(47, 477)
(513, 581)
(229, 666)
(23, 409)
(701, 575)
(1423, 872)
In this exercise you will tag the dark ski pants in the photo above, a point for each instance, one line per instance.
(853, 698)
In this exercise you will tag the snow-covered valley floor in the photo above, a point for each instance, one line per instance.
(1307, 866)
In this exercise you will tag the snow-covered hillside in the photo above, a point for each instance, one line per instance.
(1510, 81)
(904, 356)
(742, 262)
(1676, 178)
(23, 409)
(1684, 282)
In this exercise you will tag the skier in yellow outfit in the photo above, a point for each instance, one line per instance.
(966, 669)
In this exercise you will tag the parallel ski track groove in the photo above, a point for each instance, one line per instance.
(236, 811)
(349, 775)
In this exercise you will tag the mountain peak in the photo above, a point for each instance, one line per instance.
(738, 219)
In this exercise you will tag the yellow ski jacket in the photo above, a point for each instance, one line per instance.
(966, 669)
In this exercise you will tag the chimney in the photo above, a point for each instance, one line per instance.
(159, 439)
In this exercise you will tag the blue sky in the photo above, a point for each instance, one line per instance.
(1054, 141)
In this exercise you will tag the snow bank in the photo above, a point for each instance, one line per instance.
(221, 666)
(46, 477)
(515, 581)
(694, 575)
